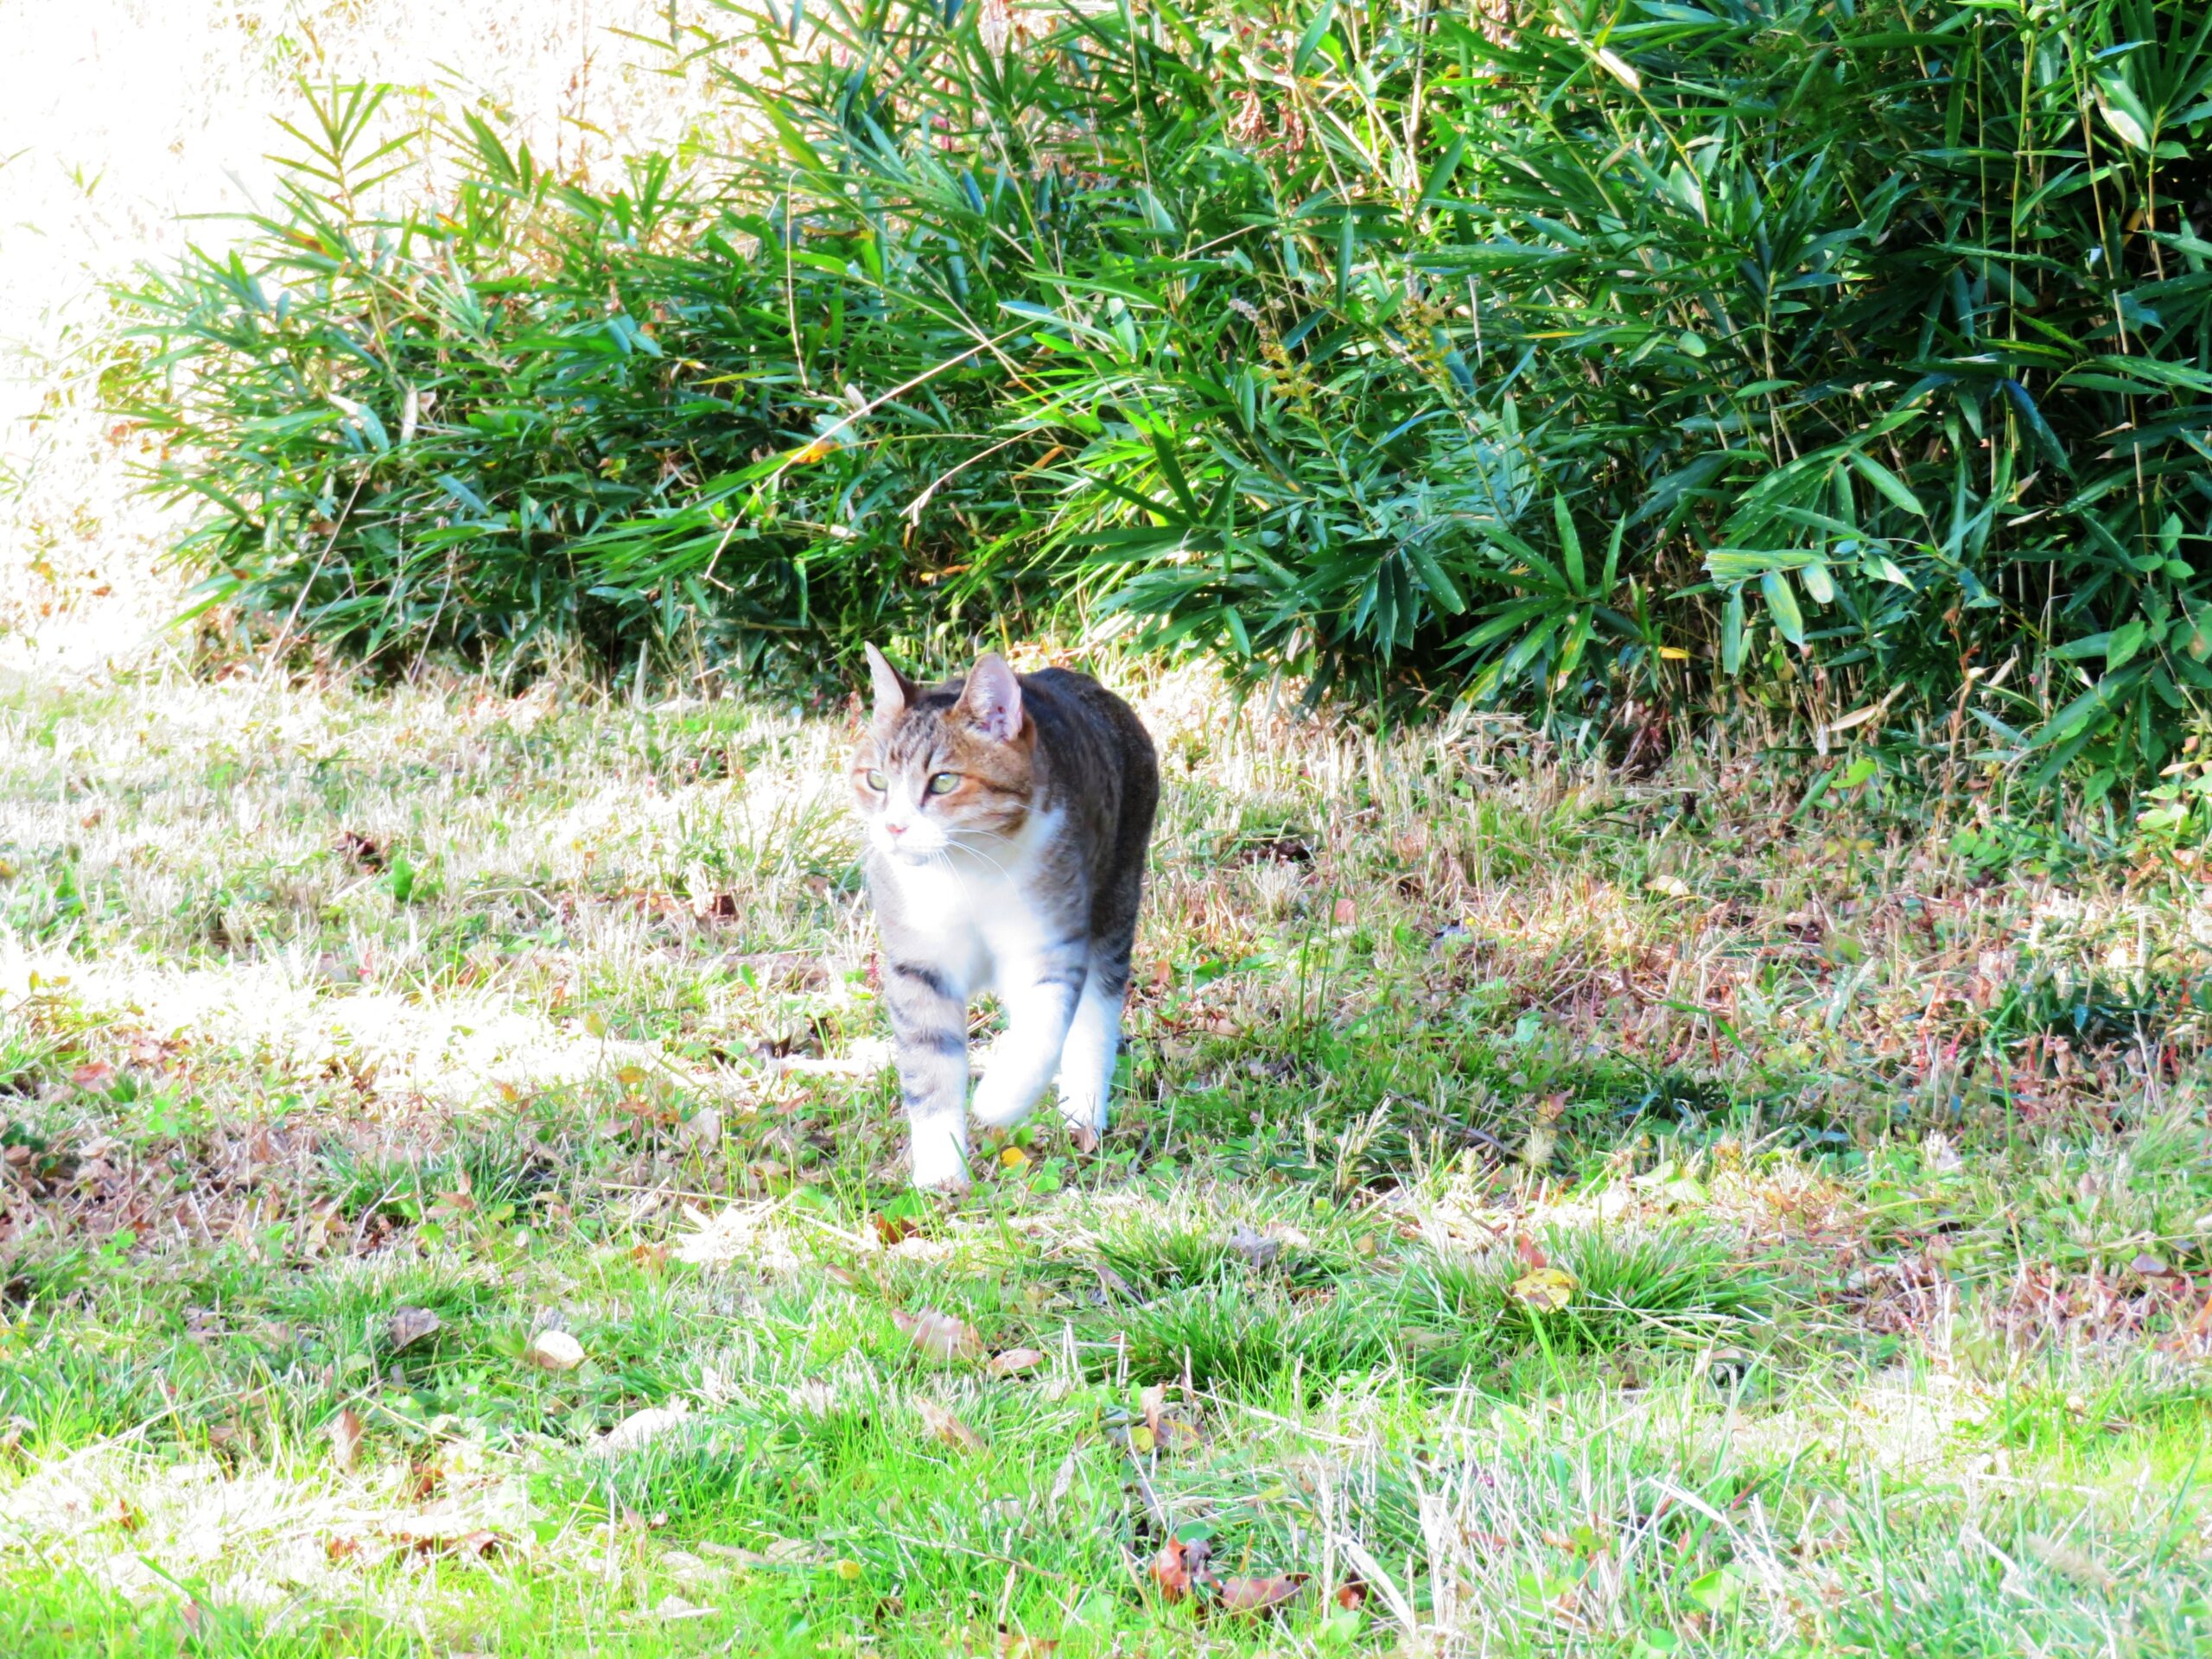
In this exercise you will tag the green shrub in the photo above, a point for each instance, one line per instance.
(1861, 358)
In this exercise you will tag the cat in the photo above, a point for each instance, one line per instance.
(1008, 818)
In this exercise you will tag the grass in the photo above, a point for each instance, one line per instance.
(1867, 1166)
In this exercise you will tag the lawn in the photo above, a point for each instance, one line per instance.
(453, 1202)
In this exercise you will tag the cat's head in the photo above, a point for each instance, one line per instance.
(944, 768)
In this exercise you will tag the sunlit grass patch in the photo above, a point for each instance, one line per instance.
(1601, 1289)
(603, 1094)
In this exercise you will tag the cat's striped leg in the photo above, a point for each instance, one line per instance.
(1039, 1003)
(929, 1029)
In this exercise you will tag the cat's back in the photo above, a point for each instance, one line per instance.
(1074, 713)
(1101, 758)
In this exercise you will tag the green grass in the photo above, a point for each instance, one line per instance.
(1881, 1327)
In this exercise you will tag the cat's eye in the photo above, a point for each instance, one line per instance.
(878, 782)
(945, 783)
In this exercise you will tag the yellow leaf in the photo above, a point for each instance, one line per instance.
(813, 452)
(847, 1568)
(1546, 1289)
(1619, 68)
(1013, 1157)
(1142, 1439)
(1674, 653)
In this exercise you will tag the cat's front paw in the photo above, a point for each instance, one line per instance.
(940, 1161)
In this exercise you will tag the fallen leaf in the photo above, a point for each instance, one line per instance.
(1546, 1289)
(1176, 1435)
(640, 1426)
(1351, 1594)
(847, 1569)
(345, 1435)
(1014, 1361)
(1260, 1595)
(940, 1336)
(408, 1325)
(1176, 1566)
(1152, 1399)
(554, 1350)
(2150, 1266)
(780, 1553)
(1256, 1248)
(1530, 1255)
(1063, 1481)
(1014, 1645)
(1344, 913)
(672, 1607)
(948, 1427)
(1143, 1440)
(1013, 1158)
(94, 1074)
(358, 846)
(476, 1542)
(2071, 1563)
(893, 1230)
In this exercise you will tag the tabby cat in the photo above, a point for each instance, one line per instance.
(1006, 821)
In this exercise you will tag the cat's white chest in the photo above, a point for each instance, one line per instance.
(979, 920)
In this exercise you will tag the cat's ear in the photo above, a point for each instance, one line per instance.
(895, 692)
(992, 699)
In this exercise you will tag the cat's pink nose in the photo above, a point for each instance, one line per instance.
(895, 829)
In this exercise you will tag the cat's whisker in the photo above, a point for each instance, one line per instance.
(954, 842)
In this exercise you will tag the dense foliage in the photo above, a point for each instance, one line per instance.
(1565, 353)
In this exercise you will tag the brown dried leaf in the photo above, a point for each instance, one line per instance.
(408, 1325)
(940, 1336)
(345, 1435)
(893, 1230)
(1260, 1595)
(1174, 1567)
(948, 1427)
(1256, 1248)
(1152, 1399)
(1015, 1361)
(1351, 1594)
(477, 1542)
(359, 847)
